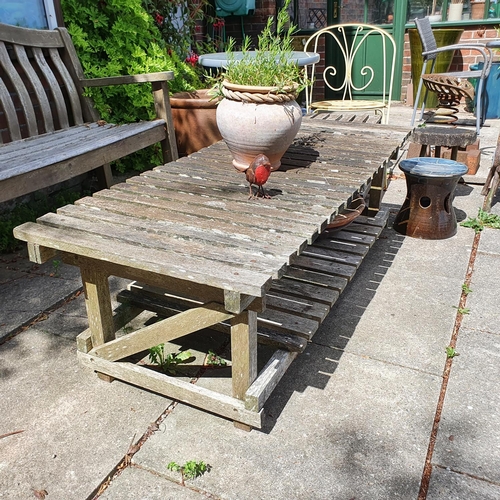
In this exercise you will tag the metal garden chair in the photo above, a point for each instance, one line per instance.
(358, 86)
(450, 83)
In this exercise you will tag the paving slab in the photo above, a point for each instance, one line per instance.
(330, 433)
(28, 289)
(140, 484)
(469, 432)
(401, 305)
(76, 428)
(482, 302)
(449, 485)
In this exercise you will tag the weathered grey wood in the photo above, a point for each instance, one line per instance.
(161, 262)
(38, 63)
(289, 323)
(268, 379)
(98, 303)
(121, 316)
(188, 229)
(158, 303)
(186, 392)
(162, 76)
(163, 331)
(298, 306)
(493, 179)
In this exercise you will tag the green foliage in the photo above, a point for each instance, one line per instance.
(28, 212)
(462, 310)
(180, 25)
(190, 470)
(118, 37)
(450, 352)
(465, 289)
(167, 361)
(214, 359)
(270, 64)
(483, 219)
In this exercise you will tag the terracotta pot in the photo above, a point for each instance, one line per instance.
(194, 120)
(253, 121)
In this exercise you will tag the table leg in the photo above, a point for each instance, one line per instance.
(99, 309)
(243, 355)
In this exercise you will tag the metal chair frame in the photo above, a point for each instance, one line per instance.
(430, 53)
(350, 49)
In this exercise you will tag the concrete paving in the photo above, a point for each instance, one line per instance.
(359, 414)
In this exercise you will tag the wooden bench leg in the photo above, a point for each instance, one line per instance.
(493, 180)
(243, 355)
(104, 176)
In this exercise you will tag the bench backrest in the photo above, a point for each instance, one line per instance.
(39, 83)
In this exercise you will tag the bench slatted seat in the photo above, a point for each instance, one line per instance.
(49, 131)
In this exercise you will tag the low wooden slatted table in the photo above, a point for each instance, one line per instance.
(204, 256)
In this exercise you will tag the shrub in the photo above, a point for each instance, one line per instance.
(118, 37)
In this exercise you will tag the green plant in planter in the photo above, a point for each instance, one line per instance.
(260, 87)
(270, 64)
(117, 38)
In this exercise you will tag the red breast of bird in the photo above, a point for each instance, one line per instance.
(262, 169)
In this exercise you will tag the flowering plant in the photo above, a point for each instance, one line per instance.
(187, 27)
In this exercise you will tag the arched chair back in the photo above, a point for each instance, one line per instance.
(357, 83)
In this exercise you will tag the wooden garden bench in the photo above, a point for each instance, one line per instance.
(50, 132)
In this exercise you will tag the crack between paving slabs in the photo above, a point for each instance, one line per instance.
(426, 475)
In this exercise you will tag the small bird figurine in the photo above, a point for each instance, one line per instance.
(257, 173)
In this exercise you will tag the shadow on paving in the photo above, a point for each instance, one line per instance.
(315, 369)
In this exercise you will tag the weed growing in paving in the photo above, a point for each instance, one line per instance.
(483, 219)
(213, 359)
(167, 361)
(190, 470)
(462, 310)
(450, 352)
(465, 289)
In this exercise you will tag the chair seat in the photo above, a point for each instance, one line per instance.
(348, 105)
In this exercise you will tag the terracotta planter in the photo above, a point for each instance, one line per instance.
(256, 120)
(194, 120)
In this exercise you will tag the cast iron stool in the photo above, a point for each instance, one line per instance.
(427, 211)
(443, 137)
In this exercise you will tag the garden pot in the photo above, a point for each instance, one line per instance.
(455, 11)
(257, 120)
(491, 90)
(194, 120)
(443, 61)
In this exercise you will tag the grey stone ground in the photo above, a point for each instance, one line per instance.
(352, 417)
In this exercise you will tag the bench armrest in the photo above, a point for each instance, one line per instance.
(163, 76)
